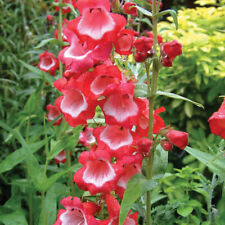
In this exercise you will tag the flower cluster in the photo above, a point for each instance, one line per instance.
(91, 79)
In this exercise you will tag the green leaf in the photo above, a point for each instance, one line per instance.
(160, 161)
(144, 20)
(136, 187)
(17, 217)
(48, 182)
(66, 143)
(49, 40)
(188, 109)
(32, 102)
(72, 9)
(144, 11)
(212, 161)
(33, 166)
(184, 210)
(18, 156)
(172, 95)
(172, 13)
(45, 76)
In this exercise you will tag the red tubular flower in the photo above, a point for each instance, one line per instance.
(115, 139)
(144, 145)
(106, 25)
(172, 49)
(128, 9)
(86, 137)
(98, 175)
(75, 105)
(114, 211)
(61, 157)
(97, 81)
(75, 212)
(48, 63)
(131, 165)
(167, 62)
(142, 126)
(143, 44)
(151, 2)
(120, 107)
(217, 121)
(78, 58)
(166, 145)
(54, 111)
(178, 138)
(124, 42)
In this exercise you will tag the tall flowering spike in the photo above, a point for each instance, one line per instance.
(142, 126)
(131, 165)
(74, 213)
(48, 63)
(98, 175)
(114, 210)
(78, 57)
(178, 138)
(120, 107)
(75, 105)
(124, 42)
(217, 121)
(117, 140)
(101, 78)
(106, 25)
(54, 111)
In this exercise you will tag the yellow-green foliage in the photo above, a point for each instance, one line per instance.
(200, 71)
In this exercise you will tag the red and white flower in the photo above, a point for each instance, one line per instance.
(98, 175)
(76, 212)
(48, 63)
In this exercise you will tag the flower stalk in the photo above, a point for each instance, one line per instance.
(152, 89)
(60, 35)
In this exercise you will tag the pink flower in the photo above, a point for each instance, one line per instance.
(48, 63)
(97, 175)
(61, 157)
(106, 25)
(217, 121)
(54, 111)
(49, 17)
(115, 139)
(76, 212)
(78, 57)
(120, 107)
(124, 42)
(75, 105)
(128, 9)
(86, 137)
(178, 138)
(131, 165)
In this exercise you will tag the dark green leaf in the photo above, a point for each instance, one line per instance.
(136, 187)
(212, 161)
(184, 210)
(14, 218)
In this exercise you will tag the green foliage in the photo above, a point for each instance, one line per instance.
(199, 71)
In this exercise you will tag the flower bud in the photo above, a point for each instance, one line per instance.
(166, 145)
(178, 138)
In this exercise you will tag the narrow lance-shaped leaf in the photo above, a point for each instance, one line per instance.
(144, 11)
(214, 163)
(136, 187)
(50, 40)
(172, 13)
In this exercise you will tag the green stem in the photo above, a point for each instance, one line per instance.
(213, 184)
(43, 216)
(152, 89)
(60, 35)
(70, 180)
(30, 194)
